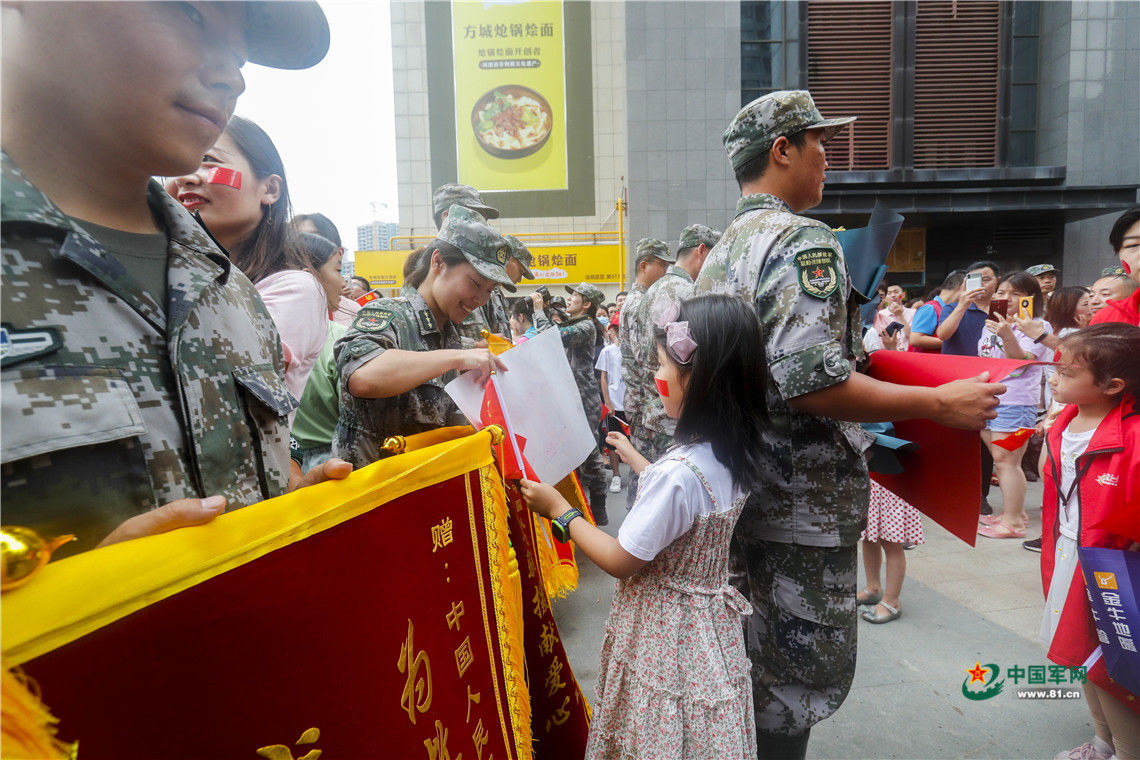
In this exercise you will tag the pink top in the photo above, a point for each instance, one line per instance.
(345, 312)
(296, 301)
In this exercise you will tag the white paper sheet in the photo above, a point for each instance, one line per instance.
(542, 402)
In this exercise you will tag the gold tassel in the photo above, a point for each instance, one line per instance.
(506, 585)
(27, 727)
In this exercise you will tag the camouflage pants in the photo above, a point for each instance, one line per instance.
(593, 477)
(801, 635)
(651, 446)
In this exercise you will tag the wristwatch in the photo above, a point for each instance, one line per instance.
(560, 526)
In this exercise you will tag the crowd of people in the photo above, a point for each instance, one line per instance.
(191, 348)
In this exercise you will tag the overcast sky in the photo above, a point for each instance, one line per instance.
(333, 123)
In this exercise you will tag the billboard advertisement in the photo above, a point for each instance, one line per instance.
(510, 95)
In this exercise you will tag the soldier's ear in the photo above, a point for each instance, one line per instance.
(780, 152)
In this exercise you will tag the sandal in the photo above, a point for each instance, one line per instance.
(1001, 530)
(868, 601)
(989, 519)
(873, 616)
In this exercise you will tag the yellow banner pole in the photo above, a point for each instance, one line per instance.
(621, 238)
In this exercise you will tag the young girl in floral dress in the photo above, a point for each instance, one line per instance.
(674, 678)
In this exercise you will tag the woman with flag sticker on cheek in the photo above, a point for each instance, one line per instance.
(674, 672)
(241, 195)
(399, 353)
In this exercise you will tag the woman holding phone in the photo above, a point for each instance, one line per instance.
(1003, 338)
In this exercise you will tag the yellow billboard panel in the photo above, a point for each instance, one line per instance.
(510, 94)
(553, 265)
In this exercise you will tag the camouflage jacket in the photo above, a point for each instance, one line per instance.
(630, 332)
(674, 286)
(114, 404)
(409, 325)
(579, 338)
(791, 268)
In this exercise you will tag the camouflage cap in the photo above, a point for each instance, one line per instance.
(484, 249)
(521, 254)
(695, 234)
(777, 114)
(1117, 271)
(590, 292)
(286, 35)
(648, 248)
(461, 195)
(1037, 269)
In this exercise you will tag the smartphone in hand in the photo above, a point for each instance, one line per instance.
(999, 306)
(1025, 308)
(973, 282)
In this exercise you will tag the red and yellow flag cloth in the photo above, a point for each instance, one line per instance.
(942, 478)
(379, 616)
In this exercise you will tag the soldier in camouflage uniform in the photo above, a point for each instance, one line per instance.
(496, 314)
(139, 395)
(446, 196)
(581, 337)
(794, 550)
(400, 352)
(652, 259)
(655, 433)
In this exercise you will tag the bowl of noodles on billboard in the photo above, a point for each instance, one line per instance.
(511, 121)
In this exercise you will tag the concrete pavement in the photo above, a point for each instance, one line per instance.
(961, 605)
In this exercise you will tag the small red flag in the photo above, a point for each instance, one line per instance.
(367, 297)
(1015, 440)
(513, 460)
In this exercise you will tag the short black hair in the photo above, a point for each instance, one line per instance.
(324, 225)
(983, 265)
(953, 280)
(754, 168)
(622, 293)
(725, 401)
(317, 248)
(1121, 225)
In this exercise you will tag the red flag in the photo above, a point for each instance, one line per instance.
(1015, 440)
(942, 478)
(367, 297)
(512, 459)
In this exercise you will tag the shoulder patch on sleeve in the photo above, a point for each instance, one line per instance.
(373, 319)
(817, 272)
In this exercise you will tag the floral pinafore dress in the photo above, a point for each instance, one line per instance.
(674, 679)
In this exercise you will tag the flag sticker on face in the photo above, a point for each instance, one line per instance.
(220, 175)
(817, 272)
(372, 320)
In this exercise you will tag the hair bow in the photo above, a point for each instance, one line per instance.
(679, 342)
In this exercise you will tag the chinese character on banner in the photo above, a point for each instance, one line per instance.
(416, 696)
(441, 535)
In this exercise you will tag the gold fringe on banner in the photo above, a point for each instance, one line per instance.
(506, 587)
(27, 727)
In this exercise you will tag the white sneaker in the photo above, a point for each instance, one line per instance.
(615, 484)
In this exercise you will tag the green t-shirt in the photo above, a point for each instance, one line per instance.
(143, 255)
(320, 403)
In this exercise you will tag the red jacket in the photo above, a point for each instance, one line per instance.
(1108, 479)
(1126, 310)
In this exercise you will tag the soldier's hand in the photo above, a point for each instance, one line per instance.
(333, 469)
(482, 361)
(968, 403)
(543, 499)
(181, 513)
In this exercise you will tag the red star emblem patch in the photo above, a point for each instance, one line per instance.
(818, 272)
(977, 673)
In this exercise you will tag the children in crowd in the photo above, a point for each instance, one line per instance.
(1002, 337)
(674, 673)
(891, 524)
(1092, 471)
(159, 399)
(241, 194)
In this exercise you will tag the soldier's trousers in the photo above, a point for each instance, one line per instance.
(593, 477)
(651, 446)
(801, 636)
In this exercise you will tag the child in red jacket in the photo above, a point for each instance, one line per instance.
(1092, 476)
